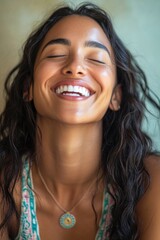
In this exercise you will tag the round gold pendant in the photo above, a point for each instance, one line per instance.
(67, 220)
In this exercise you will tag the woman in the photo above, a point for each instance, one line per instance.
(74, 160)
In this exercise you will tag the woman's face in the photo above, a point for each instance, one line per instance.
(74, 73)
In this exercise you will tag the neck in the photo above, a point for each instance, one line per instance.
(69, 156)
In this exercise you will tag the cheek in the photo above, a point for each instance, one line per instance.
(44, 71)
(107, 79)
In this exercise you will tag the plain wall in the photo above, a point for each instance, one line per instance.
(136, 21)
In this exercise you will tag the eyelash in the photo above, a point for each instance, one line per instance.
(94, 60)
(58, 56)
(55, 56)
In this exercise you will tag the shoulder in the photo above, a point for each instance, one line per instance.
(148, 208)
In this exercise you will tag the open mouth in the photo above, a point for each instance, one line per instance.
(69, 90)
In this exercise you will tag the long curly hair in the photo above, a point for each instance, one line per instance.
(124, 146)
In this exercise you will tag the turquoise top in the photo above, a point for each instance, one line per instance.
(29, 228)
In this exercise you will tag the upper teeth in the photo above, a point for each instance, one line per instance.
(77, 90)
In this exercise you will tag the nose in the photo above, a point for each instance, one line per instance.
(74, 67)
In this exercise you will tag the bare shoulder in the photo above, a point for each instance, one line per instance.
(152, 164)
(148, 208)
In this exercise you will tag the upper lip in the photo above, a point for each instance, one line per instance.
(73, 82)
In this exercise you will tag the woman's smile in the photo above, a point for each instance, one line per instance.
(74, 73)
(73, 89)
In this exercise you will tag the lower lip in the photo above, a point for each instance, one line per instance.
(72, 98)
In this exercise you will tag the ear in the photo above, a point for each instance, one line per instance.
(28, 95)
(116, 98)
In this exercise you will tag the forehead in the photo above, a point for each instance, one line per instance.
(77, 28)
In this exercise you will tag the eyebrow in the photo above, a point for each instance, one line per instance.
(62, 41)
(67, 42)
(96, 45)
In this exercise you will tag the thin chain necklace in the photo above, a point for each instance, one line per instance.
(67, 220)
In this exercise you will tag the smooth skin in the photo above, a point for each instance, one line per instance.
(75, 51)
(148, 208)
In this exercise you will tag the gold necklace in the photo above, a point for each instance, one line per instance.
(67, 220)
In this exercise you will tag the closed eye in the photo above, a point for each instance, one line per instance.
(95, 60)
(55, 56)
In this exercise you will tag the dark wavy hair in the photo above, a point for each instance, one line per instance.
(125, 146)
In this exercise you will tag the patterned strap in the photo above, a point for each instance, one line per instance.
(105, 221)
(29, 229)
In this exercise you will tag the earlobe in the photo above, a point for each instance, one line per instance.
(116, 98)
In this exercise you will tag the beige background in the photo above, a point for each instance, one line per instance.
(136, 21)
